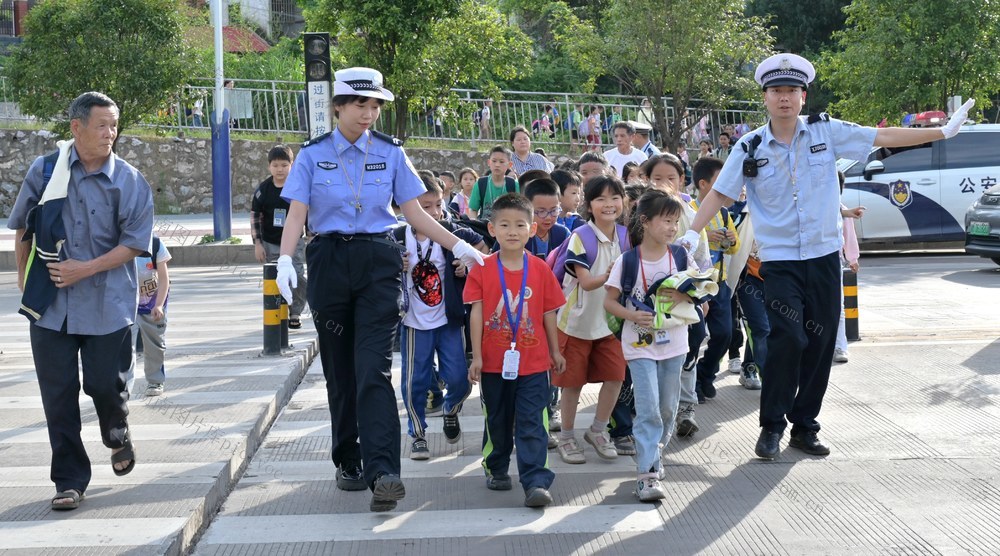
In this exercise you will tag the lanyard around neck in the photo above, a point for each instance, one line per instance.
(515, 323)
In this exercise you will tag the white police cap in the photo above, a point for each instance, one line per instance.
(785, 69)
(365, 82)
(641, 127)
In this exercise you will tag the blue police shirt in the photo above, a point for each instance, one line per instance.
(319, 180)
(104, 209)
(800, 221)
(651, 150)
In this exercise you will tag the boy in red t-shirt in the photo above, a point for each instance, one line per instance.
(512, 354)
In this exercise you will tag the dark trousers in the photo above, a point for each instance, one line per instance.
(354, 290)
(517, 407)
(803, 309)
(719, 321)
(106, 362)
(736, 341)
(621, 416)
(751, 294)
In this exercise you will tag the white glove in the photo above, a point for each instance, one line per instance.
(690, 240)
(467, 253)
(287, 279)
(951, 128)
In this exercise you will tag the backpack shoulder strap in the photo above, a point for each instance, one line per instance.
(589, 240)
(623, 239)
(481, 186)
(630, 267)
(511, 185)
(48, 167)
(156, 250)
(680, 255)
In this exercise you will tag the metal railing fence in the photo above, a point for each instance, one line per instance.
(279, 107)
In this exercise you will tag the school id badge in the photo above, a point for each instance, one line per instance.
(279, 218)
(511, 363)
(661, 337)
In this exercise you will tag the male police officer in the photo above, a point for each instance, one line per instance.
(641, 139)
(789, 168)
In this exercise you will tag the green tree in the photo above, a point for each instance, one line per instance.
(801, 27)
(424, 47)
(805, 28)
(897, 56)
(568, 49)
(692, 51)
(130, 50)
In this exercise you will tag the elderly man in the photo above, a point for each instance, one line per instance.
(89, 214)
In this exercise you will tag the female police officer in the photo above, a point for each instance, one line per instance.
(789, 168)
(344, 181)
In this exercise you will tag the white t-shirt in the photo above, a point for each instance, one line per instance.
(146, 276)
(425, 285)
(619, 160)
(638, 342)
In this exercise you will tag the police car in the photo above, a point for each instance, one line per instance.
(922, 193)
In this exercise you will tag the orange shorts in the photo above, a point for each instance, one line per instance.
(590, 361)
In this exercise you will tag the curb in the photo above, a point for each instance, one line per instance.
(220, 256)
(184, 540)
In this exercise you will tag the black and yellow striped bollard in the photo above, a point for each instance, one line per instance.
(272, 311)
(851, 305)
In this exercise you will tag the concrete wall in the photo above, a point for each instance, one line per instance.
(180, 170)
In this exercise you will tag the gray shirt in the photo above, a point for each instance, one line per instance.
(104, 209)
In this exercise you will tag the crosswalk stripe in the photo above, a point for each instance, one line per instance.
(179, 398)
(77, 533)
(432, 524)
(447, 466)
(170, 431)
(180, 473)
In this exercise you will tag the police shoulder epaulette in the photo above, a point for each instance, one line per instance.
(387, 138)
(821, 117)
(316, 139)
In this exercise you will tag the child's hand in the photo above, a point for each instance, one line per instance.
(558, 362)
(156, 313)
(716, 236)
(406, 261)
(676, 295)
(475, 369)
(642, 318)
(854, 266)
(258, 252)
(460, 269)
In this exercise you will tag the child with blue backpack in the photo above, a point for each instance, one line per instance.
(593, 354)
(653, 343)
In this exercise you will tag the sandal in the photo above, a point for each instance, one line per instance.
(127, 453)
(72, 494)
(294, 323)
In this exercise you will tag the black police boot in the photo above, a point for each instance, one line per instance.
(768, 444)
(808, 442)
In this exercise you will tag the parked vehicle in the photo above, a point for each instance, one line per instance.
(922, 193)
(982, 226)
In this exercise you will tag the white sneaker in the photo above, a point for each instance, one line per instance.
(602, 444)
(840, 356)
(650, 489)
(750, 379)
(571, 452)
(555, 421)
(735, 365)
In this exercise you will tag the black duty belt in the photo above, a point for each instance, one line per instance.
(376, 238)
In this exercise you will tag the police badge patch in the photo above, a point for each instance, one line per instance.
(899, 193)
(327, 165)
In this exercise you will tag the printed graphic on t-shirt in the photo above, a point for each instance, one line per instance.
(427, 282)
(644, 336)
(498, 327)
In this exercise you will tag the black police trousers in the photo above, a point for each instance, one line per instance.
(106, 362)
(802, 299)
(354, 291)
